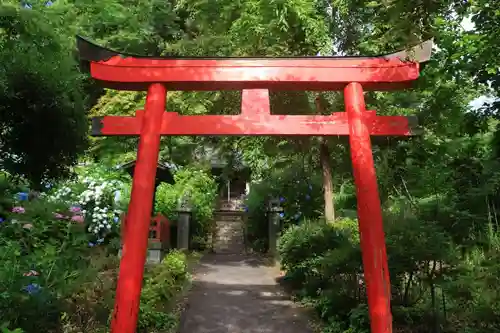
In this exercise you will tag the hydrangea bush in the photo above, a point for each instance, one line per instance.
(95, 201)
(44, 245)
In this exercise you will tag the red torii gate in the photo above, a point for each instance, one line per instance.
(255, 77)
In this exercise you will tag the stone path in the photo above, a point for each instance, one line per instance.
(238, 294)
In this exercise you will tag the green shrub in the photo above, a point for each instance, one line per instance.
(473, 293)
(323, 266)
(201, 189)
(310, 240)
(5, 329)
(162, 285)
(34, 302)
(152, 320)
(299, 197)
(357, 322)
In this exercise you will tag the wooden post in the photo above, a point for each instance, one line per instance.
(131, 273)
(371, 228)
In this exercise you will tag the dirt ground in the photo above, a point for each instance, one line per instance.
(239, 294)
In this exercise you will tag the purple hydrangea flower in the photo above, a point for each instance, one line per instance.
(22, 196)
(32, 288)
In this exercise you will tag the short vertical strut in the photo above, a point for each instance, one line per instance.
(369, 213)
(128, 291)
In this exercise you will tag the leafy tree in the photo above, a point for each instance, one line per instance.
(42, 106)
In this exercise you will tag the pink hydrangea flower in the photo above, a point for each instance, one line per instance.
(59, 216)
(77, 218)
(18, 209)
(75, 209)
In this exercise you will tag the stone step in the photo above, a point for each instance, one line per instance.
(229, 218)
(230, 228)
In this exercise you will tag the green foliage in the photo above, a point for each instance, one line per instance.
(5, 329)
(42, 105)
(475, 299)
(8, 190)
(56, 250)
(300, 195)
(307, 241)
(200, 189)
(323, 267)
(162, 284)
(481, 47)
(430, 278)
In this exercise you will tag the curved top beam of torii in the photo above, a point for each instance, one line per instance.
(134, 72)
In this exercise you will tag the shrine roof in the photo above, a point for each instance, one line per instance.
(163, 170)
(126, 71)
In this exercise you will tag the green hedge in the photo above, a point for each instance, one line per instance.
(200, 186)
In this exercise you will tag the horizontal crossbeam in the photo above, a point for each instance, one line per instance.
(248, 125)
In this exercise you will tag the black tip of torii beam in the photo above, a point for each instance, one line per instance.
(90, 51)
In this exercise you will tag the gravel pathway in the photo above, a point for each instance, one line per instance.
(239, 294)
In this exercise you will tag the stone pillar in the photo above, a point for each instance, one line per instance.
(274, 211)
(184, 210)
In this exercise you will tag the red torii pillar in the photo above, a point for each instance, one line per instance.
(254, 76)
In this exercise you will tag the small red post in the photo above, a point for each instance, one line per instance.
(369, 213)
(131, 273)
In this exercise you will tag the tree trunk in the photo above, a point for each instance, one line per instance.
(435, 316)
(406, 294)
(324, 156)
